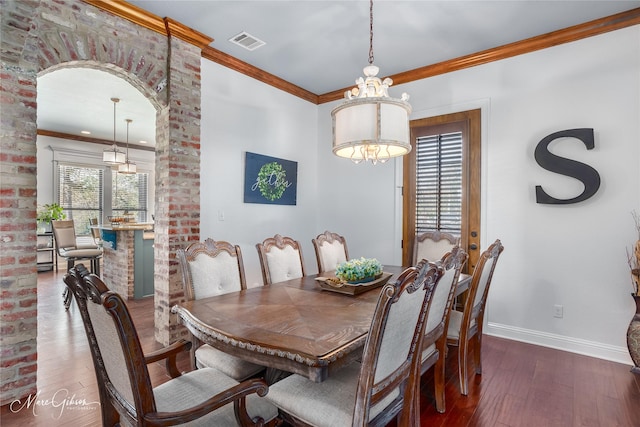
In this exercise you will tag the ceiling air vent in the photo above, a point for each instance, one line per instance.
(247, 41)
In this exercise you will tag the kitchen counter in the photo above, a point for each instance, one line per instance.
(128, 259)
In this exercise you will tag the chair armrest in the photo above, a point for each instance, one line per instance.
(234, 394)
(169, 353)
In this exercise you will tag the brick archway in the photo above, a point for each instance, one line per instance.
(42, 36)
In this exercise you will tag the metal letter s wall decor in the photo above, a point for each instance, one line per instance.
(572, 168)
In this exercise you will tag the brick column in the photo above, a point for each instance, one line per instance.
(18, 273)
(177, 183)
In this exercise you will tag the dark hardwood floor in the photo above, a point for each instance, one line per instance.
(521, 384)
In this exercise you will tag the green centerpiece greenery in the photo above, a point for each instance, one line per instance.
(359, 270)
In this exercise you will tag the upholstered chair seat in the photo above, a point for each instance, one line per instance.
(185, 391)
(455, 320)
(68, 247)
(208, 269)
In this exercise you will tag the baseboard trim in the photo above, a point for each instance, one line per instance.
(560, 342)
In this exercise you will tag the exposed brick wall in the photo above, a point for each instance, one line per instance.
(119, 278)
(41, 36)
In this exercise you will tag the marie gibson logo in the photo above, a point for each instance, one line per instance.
(60, 401)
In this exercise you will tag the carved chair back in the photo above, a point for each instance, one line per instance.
(331, 250)
(466, 326)
(432, 245)
(280, 259)
(211, 268)
(434, 345)
(123, 378)
(389, 377)
(126, 393)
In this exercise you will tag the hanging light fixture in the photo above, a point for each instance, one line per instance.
(112, 155)
(128, 167)
(370, 125)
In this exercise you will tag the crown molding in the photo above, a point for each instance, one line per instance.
(71, 137)
(182, 32)
(164, 26)
(567, 35)
(577, 32)
(249, 70)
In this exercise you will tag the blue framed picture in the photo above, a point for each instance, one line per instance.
(270, 180)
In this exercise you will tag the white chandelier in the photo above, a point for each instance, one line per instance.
(370, 125)
(112, 155)
(128, 167)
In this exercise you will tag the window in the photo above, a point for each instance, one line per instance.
(129, 195)
(86, 192)
(80, 190)
(439, 183)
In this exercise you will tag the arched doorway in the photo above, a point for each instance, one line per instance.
(39, 39)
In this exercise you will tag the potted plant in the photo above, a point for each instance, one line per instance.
(48, 213)
(633, 332)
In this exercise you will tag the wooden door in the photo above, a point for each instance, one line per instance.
(466, 126)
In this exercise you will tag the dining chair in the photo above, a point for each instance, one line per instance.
(385, 384)
(205, 396)
(435, 340)
(67, 246)
(432, 245)
(465, 327)
(331, 250)
(95, 232)
(212, 268)
(280, 259)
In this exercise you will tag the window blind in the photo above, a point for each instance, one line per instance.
(80, 190)
(129, 194)
(439, 183)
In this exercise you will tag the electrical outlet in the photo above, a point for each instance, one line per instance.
(220, 215)
(558, 311)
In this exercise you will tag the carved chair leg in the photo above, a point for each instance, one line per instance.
(439, 383)
(477, 355)
(67, 297)
(463, 356)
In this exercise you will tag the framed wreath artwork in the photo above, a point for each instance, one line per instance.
(270, 180)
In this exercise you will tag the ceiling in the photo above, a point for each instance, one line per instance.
(320, 46)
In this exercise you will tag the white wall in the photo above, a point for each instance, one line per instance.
(240, 114)
(572, 255)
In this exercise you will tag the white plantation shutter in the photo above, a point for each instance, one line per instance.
(439, 183)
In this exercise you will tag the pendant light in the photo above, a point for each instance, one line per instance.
(128, 167)
(370, 125)
(113, 156)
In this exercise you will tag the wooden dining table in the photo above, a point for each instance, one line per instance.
(293, 326)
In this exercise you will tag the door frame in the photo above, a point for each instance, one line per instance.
(470, 236)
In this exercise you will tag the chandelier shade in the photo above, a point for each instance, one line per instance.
(370, 125)
(128, 167)
(371, 129)
(113, 156)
